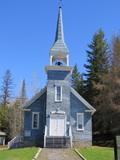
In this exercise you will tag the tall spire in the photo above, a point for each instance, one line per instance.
(59, 49)
(59, 31)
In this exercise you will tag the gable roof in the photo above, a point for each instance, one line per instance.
(2, 133)
(34, 98)
(74, 92)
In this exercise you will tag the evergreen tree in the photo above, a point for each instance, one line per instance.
(103, 118)
(23, 96)
(97, 66)
(77, 80)
(6, 89)
(108, 111)
(35, 84)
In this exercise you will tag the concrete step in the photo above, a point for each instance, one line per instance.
(58, 142)
(18, 145)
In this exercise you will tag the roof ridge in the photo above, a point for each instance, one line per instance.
(88, 105)
(35, 97)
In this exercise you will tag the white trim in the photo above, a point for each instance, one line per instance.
(67, 60)
(37, 154)
(33, 113)
(50, 126)
(26, 110)
(51, 57)
(89, 111)
(80, 114)
(65, 125)
(58, 68)
(57, 112)
(56, 100)
(79, 154)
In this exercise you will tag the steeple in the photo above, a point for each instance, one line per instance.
(59, 31)
(59, 51)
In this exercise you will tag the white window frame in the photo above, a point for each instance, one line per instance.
(80, 114)
(33, 113)
(56, 100)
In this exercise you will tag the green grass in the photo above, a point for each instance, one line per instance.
(97, 153)
(18, 154)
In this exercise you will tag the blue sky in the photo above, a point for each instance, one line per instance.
(27, 31)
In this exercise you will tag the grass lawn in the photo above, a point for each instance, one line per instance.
(18, 154)
(97, 153)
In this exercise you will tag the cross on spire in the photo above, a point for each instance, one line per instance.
(60, 3)
(60, 31)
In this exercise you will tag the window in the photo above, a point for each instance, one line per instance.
(80, 121)
(35, 120)
(27, 133)
(58, 93)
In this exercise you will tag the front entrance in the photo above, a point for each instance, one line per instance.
(57, 124)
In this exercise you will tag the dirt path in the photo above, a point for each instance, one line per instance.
(58, 154)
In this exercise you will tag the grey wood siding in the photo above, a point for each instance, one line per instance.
(78, 107)
(37, 135)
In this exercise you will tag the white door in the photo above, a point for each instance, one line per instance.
(57, 125)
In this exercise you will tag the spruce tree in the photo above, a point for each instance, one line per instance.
(23, 96)
(97, 65)
(22, 101)
(6, 89)
(77, 80)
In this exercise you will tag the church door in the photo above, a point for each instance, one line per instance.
(57, 125)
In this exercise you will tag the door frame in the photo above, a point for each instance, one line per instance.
(57, 113)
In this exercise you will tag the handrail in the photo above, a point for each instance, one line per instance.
(45, 130)
(70, 134)
(14, 140)
(45, 136)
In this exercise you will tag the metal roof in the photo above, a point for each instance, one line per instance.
(59, 45)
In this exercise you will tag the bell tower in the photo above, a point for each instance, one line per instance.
(58, 85)
(59, 53)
